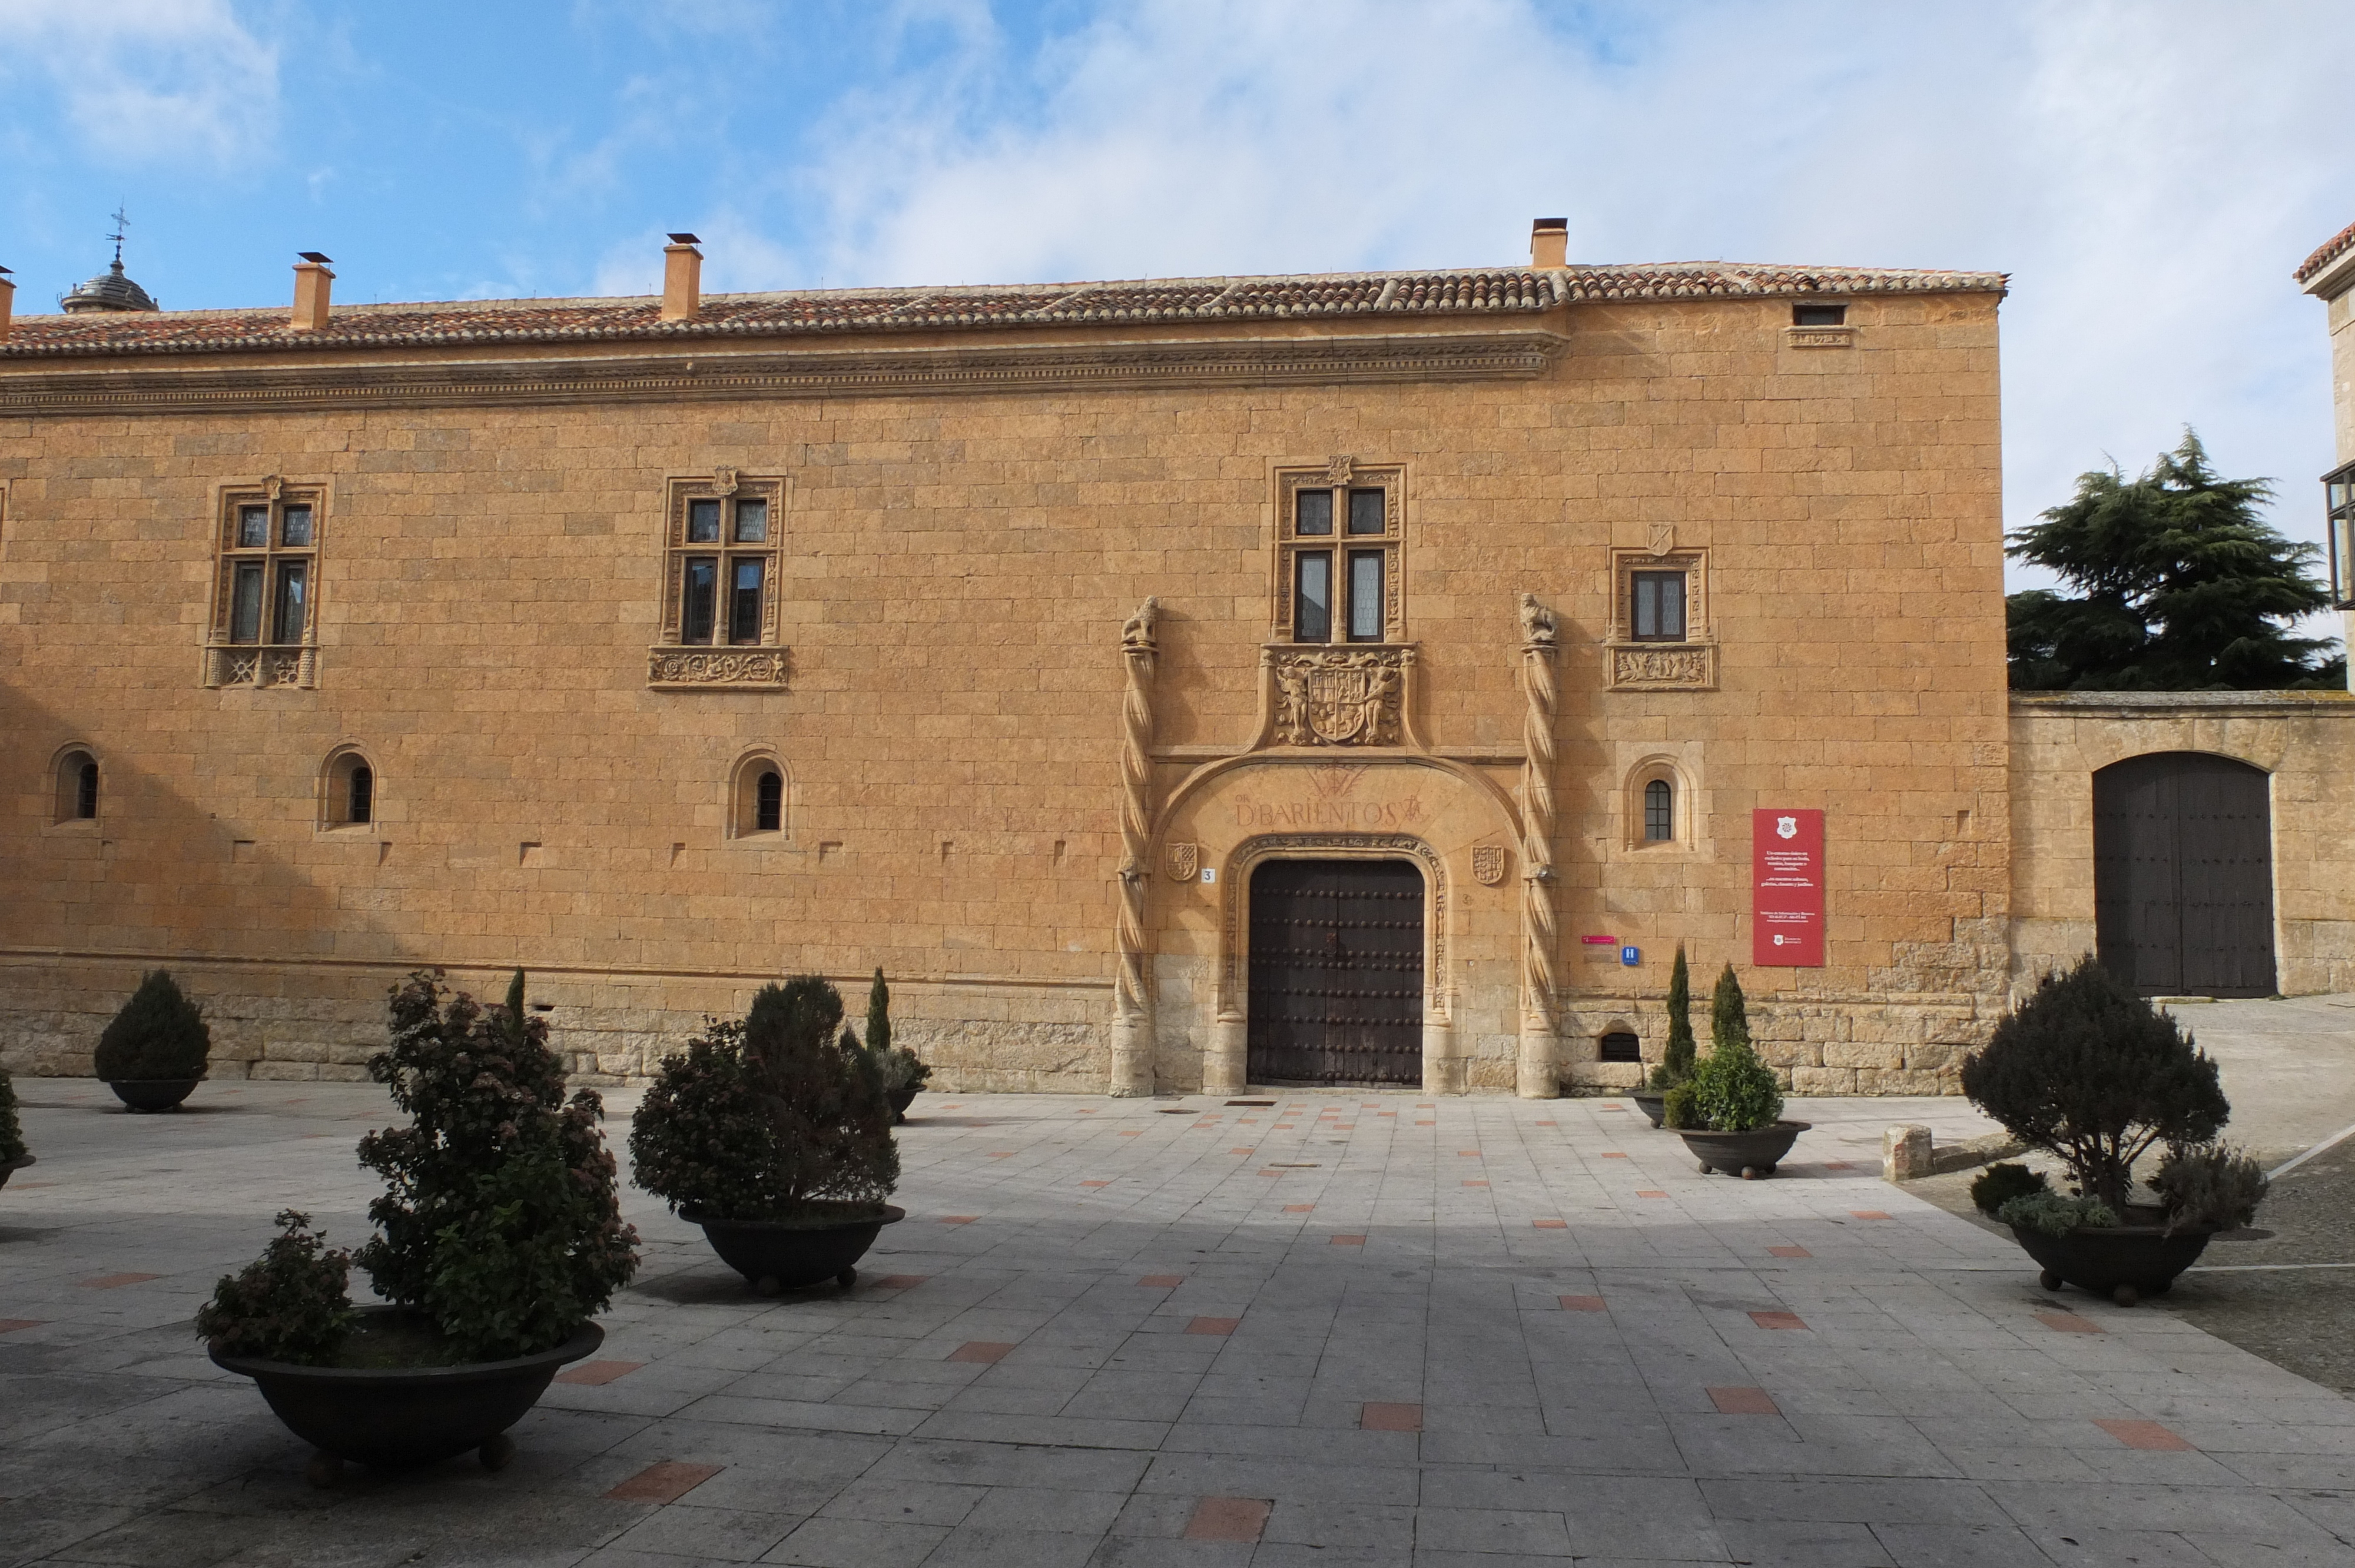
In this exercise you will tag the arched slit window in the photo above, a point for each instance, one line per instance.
(768, 802)
(348, 797)
(756, 796)
(77, 787)
(1659, 812)
(361, 797)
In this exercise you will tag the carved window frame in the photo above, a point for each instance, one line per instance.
(266, 661)
(1340, 475)
(1654, 664)
(719, 664)
(1683, 807)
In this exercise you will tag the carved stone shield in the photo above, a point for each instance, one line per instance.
(1343, 704)
(1488, 865)
(1182, 862)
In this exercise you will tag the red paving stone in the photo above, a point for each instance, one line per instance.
(1612, 1154)
(1583, 1304)
(1650, 1193)
(1215, 1326)
(1743, 1402)
(1133, 1133)
(1229, 1519)
(2069, 1323)
(1551, 1224)
(988, 1352)
(958, 1219)
(2146, 1434)
(1347, 1241)
(1298, 1208)
(1867, 1214)
(1372, 1417)
(898, 1281)
(10, 1324)
(1095, 1183)
(1163, 1281)
(1778, 1320)
(1426, 1124)
(665, 1482)
(111, 1281)
(1788, 1252)
(1239, 1151)
(596, 1374)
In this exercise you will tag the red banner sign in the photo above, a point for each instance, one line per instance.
(1786, 889)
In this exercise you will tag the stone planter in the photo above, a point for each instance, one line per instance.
(11, 1167)
(787, 1254)
(1650, 1102)
(2125, 1263)
(153, 1094)
(1749, 1155)
(401, 1417)
(901, 1100)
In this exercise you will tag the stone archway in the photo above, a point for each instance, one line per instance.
(2183, 887)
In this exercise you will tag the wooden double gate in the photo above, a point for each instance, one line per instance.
(2183, 874)
(1336, 982)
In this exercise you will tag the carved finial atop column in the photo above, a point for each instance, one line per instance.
(1535, 1077)
(1131, 1024)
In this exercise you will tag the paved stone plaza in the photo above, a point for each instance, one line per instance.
(1345, 1328)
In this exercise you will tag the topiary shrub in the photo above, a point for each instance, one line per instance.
(288, 1305)
(1998, 1184)
(12, 1134)
(2209, 1186)
(783, 1116)
(2088, 1071)
(2054, 1213)
(1732, 1090)
(1677, 1057)
(499, 1220)
(1677, 1108)
(159, 1034)
(901, 1068)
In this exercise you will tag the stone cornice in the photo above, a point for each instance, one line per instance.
(2180, 705)
(699, 376)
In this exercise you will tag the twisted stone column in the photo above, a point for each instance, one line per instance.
(1131, 1024)
(1537, 1078)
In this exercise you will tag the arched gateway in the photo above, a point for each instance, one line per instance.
(2183, 879)
(1337, 973)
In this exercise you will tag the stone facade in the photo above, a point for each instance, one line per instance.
(1041, 826)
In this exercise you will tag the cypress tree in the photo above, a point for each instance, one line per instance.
(878, 1015)
(1677, 1058)
(159, 1034)
(1729, 1015)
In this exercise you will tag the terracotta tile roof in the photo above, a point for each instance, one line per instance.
(2331, 250)
(1328, 296)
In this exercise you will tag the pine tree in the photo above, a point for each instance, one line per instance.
(2179, 586)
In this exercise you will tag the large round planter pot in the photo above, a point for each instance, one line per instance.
(1650, 1102)
(9, 1168)
(153, 1094)
(401, 1417)
(2124, 1263)
(786, 1254)
(903, 1099)
(1746, 1154)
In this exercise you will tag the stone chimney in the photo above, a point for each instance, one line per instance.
(682, 279)
(7, 303)
(312, 284)
(1550, 243)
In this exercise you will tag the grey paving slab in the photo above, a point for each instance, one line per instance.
(1921, 1414)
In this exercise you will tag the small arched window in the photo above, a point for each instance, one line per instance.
(361, 797)
(756, 795)
(768, 802)
(1619, 1045)
(76, 787)
(347, 797)
(1659, 812)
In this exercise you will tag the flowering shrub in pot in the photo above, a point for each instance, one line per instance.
(499, 1234)
(774, 1134)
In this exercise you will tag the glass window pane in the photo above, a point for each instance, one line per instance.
(286, 615)
(294, 529)
(769, 808)
(85, 793)
(1366, 512)
(1672, 604)
(703, 522)
(744, 604)
(751, 521)
(698, 596)
(1659, 812)
(1312, 597)
(1314, 512)
(1364, 595)
(1659, 606)
(245, 604)
(252, 528)
(363, 797)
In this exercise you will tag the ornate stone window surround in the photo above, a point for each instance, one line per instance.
(745, 799)
(1338, 476)
(725, 662)
(1653, 664)
(246, 643)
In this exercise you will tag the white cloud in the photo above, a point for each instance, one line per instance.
(145, 81)
(2148, 172)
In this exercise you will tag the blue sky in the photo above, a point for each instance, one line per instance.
(2148, 171)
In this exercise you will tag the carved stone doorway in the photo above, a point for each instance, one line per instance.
(1336, 982)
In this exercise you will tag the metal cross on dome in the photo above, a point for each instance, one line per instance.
(121, 222)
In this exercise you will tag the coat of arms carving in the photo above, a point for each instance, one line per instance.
(1183, 862)
(1340, 698)
(1488, 865)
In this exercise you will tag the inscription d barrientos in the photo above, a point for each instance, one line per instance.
(1786, 889)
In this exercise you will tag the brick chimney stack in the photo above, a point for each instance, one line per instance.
(682, 279)
(1550, 243)
(313, 283)
(7, 303)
